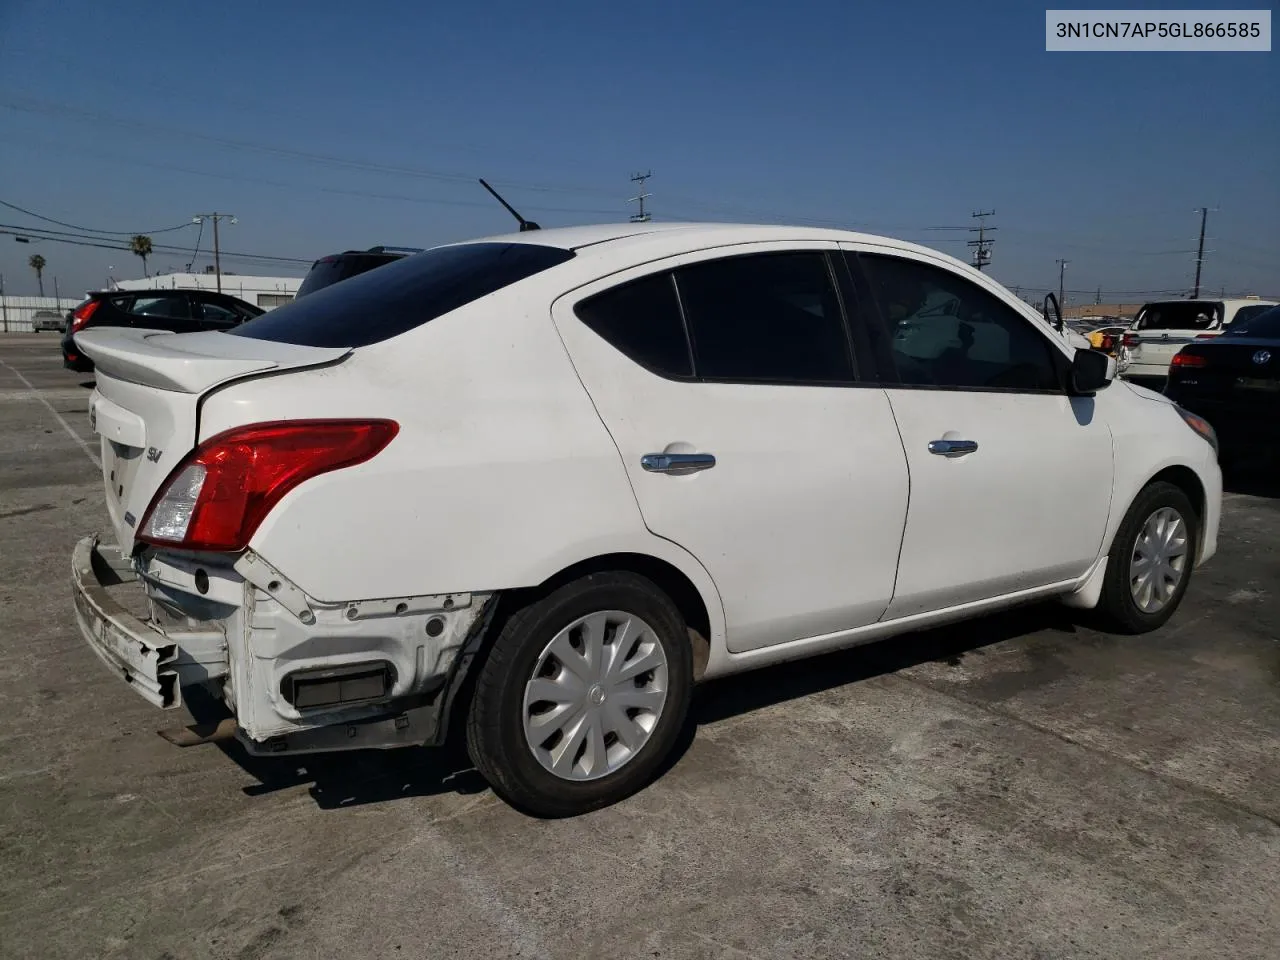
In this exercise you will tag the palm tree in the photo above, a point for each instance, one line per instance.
(37, 264)
(140, 245)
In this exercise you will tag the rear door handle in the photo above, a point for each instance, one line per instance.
(952, 448)
(677, 462)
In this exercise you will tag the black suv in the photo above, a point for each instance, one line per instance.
(343, 266)
(178, 311)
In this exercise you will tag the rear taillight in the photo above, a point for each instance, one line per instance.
(1184, 360)
(220, 493)
(1207, 336)
(82, 314)
(1129, 340)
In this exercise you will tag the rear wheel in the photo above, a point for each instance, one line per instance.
(1150, 563)
(582, 696)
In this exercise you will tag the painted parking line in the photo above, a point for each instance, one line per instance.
(80, 442)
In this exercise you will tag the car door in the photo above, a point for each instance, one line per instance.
(1010, 476)
(168, 310)
(727, 382)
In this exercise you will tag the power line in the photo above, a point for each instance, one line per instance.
(62, 236)
(74, 226)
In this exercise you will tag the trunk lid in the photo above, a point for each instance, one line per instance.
(146, 403)
(1232, 368)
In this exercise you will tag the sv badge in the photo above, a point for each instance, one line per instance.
(153, 454)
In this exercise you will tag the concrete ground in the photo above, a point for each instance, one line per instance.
(1019, 786)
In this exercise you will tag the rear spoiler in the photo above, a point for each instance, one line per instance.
(192, 362)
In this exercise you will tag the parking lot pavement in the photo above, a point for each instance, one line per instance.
(1019, 786)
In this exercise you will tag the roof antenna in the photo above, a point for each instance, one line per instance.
(524, 224)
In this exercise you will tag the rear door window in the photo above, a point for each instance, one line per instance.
(766, 317)
(168, 306)
(384, 303)
(216, 316)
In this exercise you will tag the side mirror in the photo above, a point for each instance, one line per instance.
(1091, 370)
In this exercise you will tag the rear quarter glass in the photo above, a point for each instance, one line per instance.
(386, 302)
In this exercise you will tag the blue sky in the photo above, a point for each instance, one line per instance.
(327, 125)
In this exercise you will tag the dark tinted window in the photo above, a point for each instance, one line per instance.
(1244, 314)
(769, 316)
(341, 266)
(642, 319)
(171, 306)
(217, 315)
(948, 332)
(386, 302)
(1178, 315)
(1264, 323)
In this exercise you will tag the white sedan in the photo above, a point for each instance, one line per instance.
(542, 484)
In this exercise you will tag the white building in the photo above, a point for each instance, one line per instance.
(264, 292)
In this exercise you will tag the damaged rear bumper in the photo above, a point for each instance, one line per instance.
(298, 675)
(143, 656)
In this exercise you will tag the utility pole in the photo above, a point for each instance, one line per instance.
(56, 295)
(640, 178)
(215, 217)
(4, 306)
(1204, 215)
(1062, 293)
(982, 255)
(1097, 299)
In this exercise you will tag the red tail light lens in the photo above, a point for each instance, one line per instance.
(218, 496)
(82, 314)
(1129, 340)
(1189, 360)
(1207, 336)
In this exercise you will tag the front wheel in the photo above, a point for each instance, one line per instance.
(1150, 563)
(582, 696)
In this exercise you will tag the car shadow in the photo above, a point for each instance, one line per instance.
(356, 778)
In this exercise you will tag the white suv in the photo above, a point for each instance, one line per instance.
(544, 483)
(1163, 328)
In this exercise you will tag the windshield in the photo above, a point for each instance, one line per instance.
(1179, 315)
(1262, 321)
(384, 303)
(343, 266)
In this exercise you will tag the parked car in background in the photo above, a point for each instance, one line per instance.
(541, 484)
(343, 266)
(1233, 381)
(44, 320)
(174, 311)
(1161, 329)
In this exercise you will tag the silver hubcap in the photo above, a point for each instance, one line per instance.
(1159, 560)
(596, 695)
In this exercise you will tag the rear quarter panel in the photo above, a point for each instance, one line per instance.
(501, 476)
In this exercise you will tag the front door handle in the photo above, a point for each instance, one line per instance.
(952, 448)
(677, 462)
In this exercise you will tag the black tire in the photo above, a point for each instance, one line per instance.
(1117, 609)
(495, 723)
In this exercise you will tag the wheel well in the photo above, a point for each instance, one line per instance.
(665, 576)
(1185, 479)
